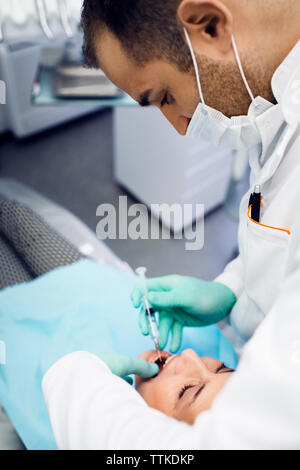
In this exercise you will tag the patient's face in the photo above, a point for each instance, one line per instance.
(185, 386)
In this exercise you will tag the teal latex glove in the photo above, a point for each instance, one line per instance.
(65, 343)
(123, 366)
(183, 301)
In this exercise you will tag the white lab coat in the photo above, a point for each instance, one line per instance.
(267, 251)
(259, 407)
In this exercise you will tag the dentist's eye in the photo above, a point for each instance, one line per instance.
(167, 99)
(164, 100)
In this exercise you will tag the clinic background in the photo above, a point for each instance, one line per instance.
(83, 152)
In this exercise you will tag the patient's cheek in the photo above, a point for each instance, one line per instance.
(145, 392)
(138, 382)
(157, 395)
(204, 403)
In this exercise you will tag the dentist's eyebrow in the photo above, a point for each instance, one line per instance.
(144, 98)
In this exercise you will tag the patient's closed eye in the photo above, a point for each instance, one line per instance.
(187, 387)
(184, 389)
(224, 369)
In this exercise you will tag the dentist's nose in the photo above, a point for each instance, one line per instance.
(180, 123)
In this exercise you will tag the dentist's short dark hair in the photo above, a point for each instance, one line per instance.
(147, 30)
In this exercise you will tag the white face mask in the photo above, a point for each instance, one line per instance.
(239, 132)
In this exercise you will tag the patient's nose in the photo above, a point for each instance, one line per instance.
(193, 364)
(190, 355)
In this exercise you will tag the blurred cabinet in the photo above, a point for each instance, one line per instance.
(159, 166)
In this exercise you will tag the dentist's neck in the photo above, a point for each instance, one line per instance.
(279, 27)
(266, 32)
(286, 27)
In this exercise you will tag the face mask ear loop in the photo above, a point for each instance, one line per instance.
(195, 65)
(237, 56)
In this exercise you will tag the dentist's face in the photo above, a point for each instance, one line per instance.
(157, 83)
(185, 386)
(162, 84)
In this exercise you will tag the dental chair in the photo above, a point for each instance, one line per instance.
(71, 229)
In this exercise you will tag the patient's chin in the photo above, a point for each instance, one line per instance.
(138, 382)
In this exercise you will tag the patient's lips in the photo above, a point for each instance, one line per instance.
(153, 356)
(162, 363)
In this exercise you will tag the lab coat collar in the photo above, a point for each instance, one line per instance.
(276, 123)
(285, 71)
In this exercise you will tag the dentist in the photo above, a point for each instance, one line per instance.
(227, 71)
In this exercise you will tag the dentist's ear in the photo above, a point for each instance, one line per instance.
(209, 24)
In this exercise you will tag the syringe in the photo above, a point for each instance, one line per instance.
(153, 327)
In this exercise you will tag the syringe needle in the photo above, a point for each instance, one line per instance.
(158, 352)
(141, 272)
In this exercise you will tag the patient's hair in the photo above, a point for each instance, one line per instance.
(147, 30)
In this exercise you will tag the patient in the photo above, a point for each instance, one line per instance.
(30, 252)
(186, 384)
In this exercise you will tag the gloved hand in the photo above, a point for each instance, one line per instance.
(123, 366)
(73, 338)
(183, 301)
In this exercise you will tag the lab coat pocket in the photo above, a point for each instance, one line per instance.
(266, 258)
(265, 252)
